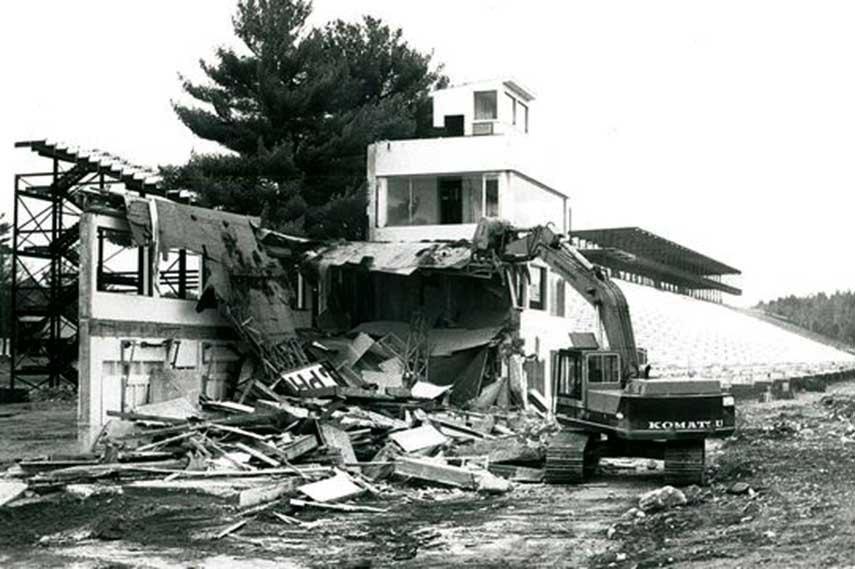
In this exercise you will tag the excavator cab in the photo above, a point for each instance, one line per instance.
(576, 370)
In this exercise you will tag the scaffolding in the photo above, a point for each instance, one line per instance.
(45, 254)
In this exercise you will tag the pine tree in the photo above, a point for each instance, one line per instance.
(297, 108)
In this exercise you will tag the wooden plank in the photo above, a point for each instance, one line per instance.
(420, 438)
(459, 427)
(334, 437)
(257, 454)
(337, 507)
(229, 406)
(164, 442)
(338, 487)
(301, 446)
(511, 449)
(267, 392)
(231, 529)
(297, 412)
(425, 390)
(131, 416)
(243, 420)
(255, 496)
(305, 469)
(10, 490)
(432, 471)
(518, 473)
(238, 431)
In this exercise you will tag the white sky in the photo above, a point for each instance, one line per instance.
(726, 126)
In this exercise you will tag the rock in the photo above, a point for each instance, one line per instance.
(739, 488)
(490, 484)
(631, 514)
(661, 499)
(693, 494)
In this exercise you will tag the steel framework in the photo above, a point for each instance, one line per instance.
(45, 255)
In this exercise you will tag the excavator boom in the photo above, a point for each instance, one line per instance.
(587, 279)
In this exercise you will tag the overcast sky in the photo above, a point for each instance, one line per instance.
(728, 127)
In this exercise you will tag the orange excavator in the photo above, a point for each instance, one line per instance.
(607, 405)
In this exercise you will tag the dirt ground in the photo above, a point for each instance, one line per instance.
(36, 429)
(795, 457)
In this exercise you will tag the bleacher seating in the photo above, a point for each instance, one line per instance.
(684, 336)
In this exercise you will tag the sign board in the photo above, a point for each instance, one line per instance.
(313, 376)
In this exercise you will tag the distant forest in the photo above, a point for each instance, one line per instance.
(830, 315)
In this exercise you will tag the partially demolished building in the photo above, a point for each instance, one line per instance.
(177, 300)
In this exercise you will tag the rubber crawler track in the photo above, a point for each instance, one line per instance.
(684, 462)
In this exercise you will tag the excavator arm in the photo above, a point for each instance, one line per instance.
(587, 279)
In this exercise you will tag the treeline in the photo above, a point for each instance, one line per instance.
(830, 315)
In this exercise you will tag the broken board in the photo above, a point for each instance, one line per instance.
(338, 487)
(420, 438)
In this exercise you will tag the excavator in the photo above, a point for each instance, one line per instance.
(606, 402)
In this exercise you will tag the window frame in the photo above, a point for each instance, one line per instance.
(485, 178)
(513, 108)
(475, 97)
(525, 115)
(542, 286)
(143, 272)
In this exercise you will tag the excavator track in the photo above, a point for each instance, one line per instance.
(569, 458)
(684, 462)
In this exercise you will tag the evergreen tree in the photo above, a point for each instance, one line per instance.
(832, 316)
(297, 108)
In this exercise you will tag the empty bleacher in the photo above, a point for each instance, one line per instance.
(684, 336)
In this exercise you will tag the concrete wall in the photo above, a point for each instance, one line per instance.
(109, 321)
(526, 196)
(460, 100)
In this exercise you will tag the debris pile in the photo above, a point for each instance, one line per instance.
(339, 449)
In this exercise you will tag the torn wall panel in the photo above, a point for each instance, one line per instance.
(250, 284)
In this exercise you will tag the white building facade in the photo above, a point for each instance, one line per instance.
(485, 163)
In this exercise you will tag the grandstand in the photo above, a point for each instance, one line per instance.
(636, 255)
(685, 336)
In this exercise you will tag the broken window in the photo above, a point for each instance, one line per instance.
(121, 264)
(486, 107)
(537, 288)
(491, 199)
(180, 274)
